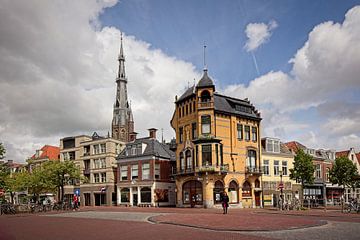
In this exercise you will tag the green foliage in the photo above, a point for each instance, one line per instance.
(2, 151)
(4, 172)
(303, 171)
(343, 172)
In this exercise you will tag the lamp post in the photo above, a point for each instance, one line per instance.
(281, 186)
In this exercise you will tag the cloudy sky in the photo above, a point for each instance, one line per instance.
(297, 61)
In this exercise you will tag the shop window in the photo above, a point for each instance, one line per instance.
(125, 195)
(233, 192)
(218, 191)
(246, 189)
(192, 193)
(145, 195)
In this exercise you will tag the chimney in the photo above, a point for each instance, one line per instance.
(10, 162)
(132, 136)
(152, 133)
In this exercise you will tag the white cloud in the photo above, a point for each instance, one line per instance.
(258, 34)
(58, 70)
(327, 67)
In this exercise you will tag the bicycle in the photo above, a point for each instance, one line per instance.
(353, 206)
(7, 208)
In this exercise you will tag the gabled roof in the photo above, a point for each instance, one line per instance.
(295, 146)
(343, 153)
(153, 148)
(47, 151)
(235, 106)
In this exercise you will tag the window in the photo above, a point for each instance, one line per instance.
(157, 170)
(276, 168)
(284, 168)
(124, 173)
(251, 160)
(318, 171)
(103, 148)
(96, 163)
(145, 194)
(103, 177)
(96, 177)
(205, 96)
(247, 133)
(239, 131)
(186, 109)
(139, 149)
(205, 124)
(182, 162)
(181, 135)
(327, 174)
(206, 155)
(134, 171)
(133, 150)
(96, 149)
(146, 171)
(188, 160)
(254, 133)
(266, 167)
(272, 145)
(193, 129)
(125, 195)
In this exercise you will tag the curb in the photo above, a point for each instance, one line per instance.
(154, 221)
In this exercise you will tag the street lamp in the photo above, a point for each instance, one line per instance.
(281, 186)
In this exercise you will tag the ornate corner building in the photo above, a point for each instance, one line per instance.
(218, 148)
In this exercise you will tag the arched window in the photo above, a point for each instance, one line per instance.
(188, 159)
(125, 195)
(205, 96)
(192, 193)
(233, 192)
(218, 191)
(246, 189)
(145, 193)
(182, 162)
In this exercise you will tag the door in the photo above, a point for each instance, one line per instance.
(257, 199)
(135, 199)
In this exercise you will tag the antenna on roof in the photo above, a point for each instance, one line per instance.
(205, 68)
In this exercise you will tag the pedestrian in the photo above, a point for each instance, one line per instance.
(75, 202)
(225, 203)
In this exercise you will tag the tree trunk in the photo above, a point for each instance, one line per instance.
(62, 192)
(12, 197)
(302, 195)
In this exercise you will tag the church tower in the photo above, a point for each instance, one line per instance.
(123, 121)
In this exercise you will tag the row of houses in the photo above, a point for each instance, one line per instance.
(218, 147)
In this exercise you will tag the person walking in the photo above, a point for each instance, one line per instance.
(225, 203)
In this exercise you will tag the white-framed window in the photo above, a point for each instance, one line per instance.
(276, 167)
(205, 124)
(96, 177)
(103, 148)
(96, 163)
(327, 175)
(146, 171)
(96, 149)
(103, 177)
(134, 171)
(284, 168)
(273, 145)
(254, 134)
(124, 173)
(239, 131)
(247, 133)
(266, 167)
(318, 171)
(157, 170)
(133, 150)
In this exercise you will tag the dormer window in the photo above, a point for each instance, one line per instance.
(205, 96)
(273, 145)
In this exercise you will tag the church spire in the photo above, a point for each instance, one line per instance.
(121, 58)
(123, 122)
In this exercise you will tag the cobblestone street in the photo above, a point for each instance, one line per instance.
(172, 223)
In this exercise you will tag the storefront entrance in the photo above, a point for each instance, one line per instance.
(100, 199)
(193, 193)
(135, 199)
(257, 199)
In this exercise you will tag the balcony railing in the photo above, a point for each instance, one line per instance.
(202, 169)
(253, 170)
(205, 105)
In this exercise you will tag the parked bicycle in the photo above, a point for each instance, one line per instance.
(7, 208)
(353, 206)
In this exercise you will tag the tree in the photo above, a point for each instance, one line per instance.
(303, 171)
(16, 182)
(60, 173)
(38, 182)
(343, 173)
(2, 151)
